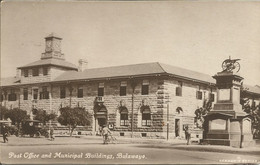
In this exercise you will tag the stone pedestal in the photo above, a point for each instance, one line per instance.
(227, 124)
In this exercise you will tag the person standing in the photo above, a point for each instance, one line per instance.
(187, 134)
(52, 134)
(105, 132)
(5, 134)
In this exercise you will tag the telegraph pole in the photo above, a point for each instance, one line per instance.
(133, 85)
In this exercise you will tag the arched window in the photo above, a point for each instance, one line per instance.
(146, 116)
(123, 116)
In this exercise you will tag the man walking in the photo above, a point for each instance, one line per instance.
(52, 134)
(105, 132)
(5, 134)
(187, 134)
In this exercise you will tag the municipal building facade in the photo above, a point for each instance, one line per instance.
(160, 98)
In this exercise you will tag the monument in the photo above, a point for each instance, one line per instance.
(227, 124)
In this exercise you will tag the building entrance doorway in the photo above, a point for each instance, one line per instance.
(102, 121)
(177, 127)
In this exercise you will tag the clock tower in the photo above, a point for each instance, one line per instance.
(52, 47)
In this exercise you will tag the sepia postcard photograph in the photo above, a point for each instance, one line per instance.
(130, 82)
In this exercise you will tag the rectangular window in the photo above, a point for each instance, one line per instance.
(101, 89)
(62, 92)
(211, 97)
(44, 94)
(45, 71)
(35, 71)
(124, 119)
(26, 73)
(178, 91)
(199, 95)
(146, 119)
(12, 95)
(123, 88)
(80, 92)
(25, 94)
(35, 94)
(145, 87)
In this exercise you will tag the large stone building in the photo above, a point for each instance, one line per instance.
(159, 98)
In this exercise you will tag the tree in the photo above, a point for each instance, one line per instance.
(3, 111)
(201, 112)
(252, 110)
(43, 116)
(17, 116)
(73, 117)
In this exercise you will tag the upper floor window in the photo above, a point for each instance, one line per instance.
(101, 89)
(35, 71)
(80, 92)
(25, 94)
(44, 94)
(123, 88)
(199, 95)
(211, 97)
(45, 71)
(26, 73)
(62, 92)
(145, 87)
(35, 94)
(12, 95)
(124, 116)
(178, 91)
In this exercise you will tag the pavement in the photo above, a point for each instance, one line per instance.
(149, 143)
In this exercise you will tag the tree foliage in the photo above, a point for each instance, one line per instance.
(43, 116)
(73, 117)
(201, 112)
(17, 116)
(252, 110)
(3, 111)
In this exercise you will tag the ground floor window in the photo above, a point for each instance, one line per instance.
(146, 117)
(124, 119)
(123, 116)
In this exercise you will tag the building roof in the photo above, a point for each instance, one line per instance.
(51, 61)
(9, 81)
(135, 70)
(114, 71)
(253, 89)
(53, 35)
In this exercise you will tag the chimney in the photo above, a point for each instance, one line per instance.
(83, 64)
(18, 73)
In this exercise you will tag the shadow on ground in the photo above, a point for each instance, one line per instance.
(201, 148)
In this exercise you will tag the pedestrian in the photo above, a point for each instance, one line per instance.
(187, 134)
(52, 134)
(100, 130)
(105, 132)
(4, 131)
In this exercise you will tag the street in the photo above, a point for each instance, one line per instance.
(94, 152)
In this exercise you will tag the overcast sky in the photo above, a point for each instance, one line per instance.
(193, 35)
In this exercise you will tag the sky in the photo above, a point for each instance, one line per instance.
(196, 35)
